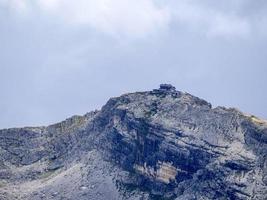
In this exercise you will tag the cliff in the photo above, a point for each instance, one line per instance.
(160, 144)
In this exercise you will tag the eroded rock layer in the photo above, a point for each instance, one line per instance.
(160, 144)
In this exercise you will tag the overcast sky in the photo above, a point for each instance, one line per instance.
(59, 58)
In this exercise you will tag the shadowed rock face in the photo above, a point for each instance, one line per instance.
(160, 144)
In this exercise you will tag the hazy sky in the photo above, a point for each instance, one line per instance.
(61, 57)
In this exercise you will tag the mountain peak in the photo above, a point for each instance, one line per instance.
(145, 145)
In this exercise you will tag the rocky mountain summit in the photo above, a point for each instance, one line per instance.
(160, 144)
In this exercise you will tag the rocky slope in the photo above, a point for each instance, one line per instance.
(160, 144)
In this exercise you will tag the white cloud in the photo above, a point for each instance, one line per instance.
(130, 18)
(20, 6)
(209, 20)
(140, 18)
(229, 26)
(123, 17)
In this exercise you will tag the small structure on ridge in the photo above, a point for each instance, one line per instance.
(167, 87)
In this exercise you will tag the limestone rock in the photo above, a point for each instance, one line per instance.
(160, 144)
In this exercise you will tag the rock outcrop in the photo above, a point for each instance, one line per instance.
(160, 144)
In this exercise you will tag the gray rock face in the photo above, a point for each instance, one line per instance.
(160, 144)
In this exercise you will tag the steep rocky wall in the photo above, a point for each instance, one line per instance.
(219, 153)
(161, 144)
